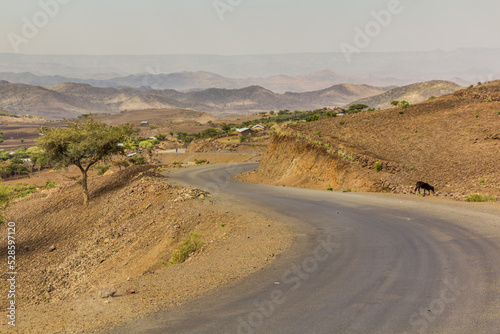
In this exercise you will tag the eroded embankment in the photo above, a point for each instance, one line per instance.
(295, 160)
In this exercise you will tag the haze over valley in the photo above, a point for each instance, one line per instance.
(228, 166)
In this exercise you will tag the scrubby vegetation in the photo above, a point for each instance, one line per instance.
(480, 198)
(190, 245)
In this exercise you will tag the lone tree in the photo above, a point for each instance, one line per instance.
(395, 103)
(83, 144)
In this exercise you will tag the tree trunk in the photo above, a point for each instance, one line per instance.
(85, 188)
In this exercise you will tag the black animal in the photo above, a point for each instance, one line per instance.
(425, 186)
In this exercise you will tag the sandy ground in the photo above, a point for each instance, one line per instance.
(91, 255)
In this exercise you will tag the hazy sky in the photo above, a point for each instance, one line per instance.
(142, 27)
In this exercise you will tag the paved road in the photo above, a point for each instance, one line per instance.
(382, 264)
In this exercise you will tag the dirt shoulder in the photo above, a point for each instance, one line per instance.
(68, 255)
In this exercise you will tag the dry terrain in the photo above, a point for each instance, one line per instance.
(451, 142)
(69, 256)
(69, 100)
(414, 93)
(21, 131)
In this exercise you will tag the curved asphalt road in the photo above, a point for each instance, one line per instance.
(382, 264)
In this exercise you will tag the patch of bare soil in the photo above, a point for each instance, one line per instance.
(208, 158)
(231, 143)
(451, 142)
(70, 256)
(22, 131)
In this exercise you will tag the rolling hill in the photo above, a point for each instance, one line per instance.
(452, 142)
(68, 100)
(200, 80)
(413, 93)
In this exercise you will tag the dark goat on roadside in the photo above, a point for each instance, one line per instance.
(425, 186)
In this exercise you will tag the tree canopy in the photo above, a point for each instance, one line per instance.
(83, 144)
(355, 108)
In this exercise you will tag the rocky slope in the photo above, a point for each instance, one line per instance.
(452, 142)
(69, 100)
(70, 257)
(413, 93)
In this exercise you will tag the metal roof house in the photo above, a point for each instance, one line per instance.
(245, 131)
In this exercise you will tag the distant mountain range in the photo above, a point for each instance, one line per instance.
(463, 66)
(413, 93)
(68, 100)
(196, 81)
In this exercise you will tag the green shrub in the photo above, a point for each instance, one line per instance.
(329, 189)
(355, 108)
(377, 166)
(317, 133)
(401, 112)
(50, 184)
(147, 144)
(190, 245)
(102, 169)
(137, 160)
(342, 122)
(121, 163)
(480, 198)
(12, 170)
(245, 138)
(482, 181)
(312, 118)
(404, 104)
(200, 161)
(16, 191)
